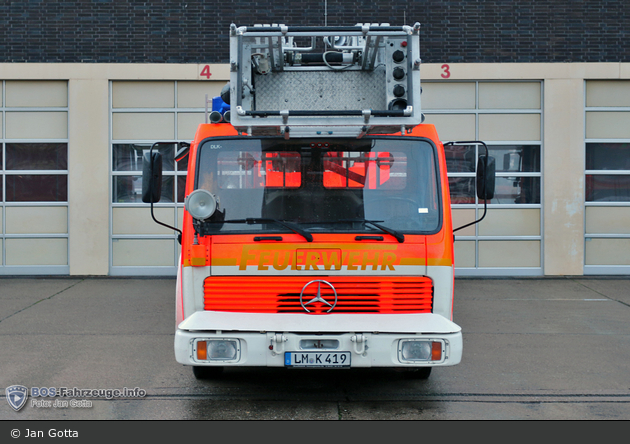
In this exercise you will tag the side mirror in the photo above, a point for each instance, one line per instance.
(151, 177)
(486, 168)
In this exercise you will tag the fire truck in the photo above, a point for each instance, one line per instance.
(317, 229)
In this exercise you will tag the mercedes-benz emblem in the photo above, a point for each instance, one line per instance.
(318, 296)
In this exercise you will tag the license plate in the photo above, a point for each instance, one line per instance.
(317, 359)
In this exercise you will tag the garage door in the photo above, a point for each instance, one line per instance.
(607, 178)
(34, 177)
(144, 112)
(508, 117)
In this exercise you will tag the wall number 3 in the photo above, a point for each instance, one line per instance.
(446, 71)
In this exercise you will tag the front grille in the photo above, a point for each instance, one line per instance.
(360, 294)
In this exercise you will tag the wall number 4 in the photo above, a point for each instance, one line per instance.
(205, 72)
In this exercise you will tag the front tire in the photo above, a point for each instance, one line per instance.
(207, 372)
(421, 373)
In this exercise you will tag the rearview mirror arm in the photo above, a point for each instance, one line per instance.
(179, 232)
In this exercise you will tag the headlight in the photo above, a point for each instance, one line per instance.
(216, 350)
(201, 204)
(420, 350)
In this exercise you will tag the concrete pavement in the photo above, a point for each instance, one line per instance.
(533, 349)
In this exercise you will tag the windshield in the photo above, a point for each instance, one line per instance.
(322, 185)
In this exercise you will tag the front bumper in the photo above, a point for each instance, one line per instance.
(373, 340)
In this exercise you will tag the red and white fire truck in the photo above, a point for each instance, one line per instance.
(317, 228)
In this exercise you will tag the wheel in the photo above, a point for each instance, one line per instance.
(207, 372)
(420, 373)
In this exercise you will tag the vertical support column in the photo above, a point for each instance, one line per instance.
(563, 175)
(88, 176)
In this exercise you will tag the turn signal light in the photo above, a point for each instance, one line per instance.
(436, 351)
(202, 350)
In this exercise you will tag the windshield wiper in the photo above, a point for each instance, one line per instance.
(252, 221)
(375, 223)
(399, 236)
